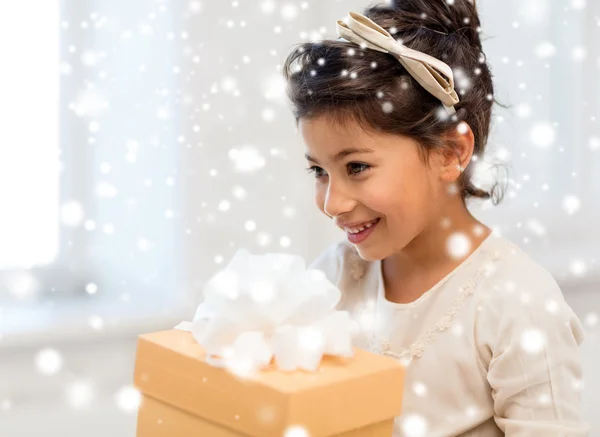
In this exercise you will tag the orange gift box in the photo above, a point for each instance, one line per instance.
(183, 396)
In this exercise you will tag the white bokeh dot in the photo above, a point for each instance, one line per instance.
(48, 361)
(89, 225)
(542, 135)
(71, 213)
(458, 329)
(128, 399)
(571, 204)
(105, 168)
(267, 414)
(523, 110)
(579, 53)
(263, 239)
(247, 159)
(268, 115)
(462, 128)
(5, 405)
(195, 6)
(414, 425)
(545, 50)
(478, 230)
(106, 189)
(94, 126)
(91, 288)
(420, 389)
(289, 212)
(224, 205)
(552, 306)
(544, 399)
(289, 11)
(80, 394)
(536, 227)
(96, 322)
(239, 192)
(590, 320)
(23, 284)
(471, 411)
(533, 341)
(143, 244)
(458, 245)
(267, 6)
(577, 267)
(296, 431)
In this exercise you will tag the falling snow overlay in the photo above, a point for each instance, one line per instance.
(143, 143)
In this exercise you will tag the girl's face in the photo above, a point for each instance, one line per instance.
(386, 179)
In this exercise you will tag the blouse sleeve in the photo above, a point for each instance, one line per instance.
(528, 340)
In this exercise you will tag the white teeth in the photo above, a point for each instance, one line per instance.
(362, 228)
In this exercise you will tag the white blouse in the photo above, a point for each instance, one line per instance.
(491, 349)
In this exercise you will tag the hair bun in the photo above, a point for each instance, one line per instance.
(444, 16)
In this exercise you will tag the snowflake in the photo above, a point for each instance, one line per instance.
(542, 135)
(128, 399)
(48, 361)
(458, 245)
(533, 341)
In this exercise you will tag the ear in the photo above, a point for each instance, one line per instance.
(456, 156)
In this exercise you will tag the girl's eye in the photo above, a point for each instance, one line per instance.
(354, 169)
(355, 165)
(316, 170)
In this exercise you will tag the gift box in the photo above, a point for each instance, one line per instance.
(185, 396)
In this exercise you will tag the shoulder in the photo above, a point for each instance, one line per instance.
(340, 260)
(517, 279)
(527, 339)
(520, 301)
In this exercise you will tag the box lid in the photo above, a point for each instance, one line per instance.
(344, 394)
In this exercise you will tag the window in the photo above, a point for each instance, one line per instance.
(29, 139)
(88, 159)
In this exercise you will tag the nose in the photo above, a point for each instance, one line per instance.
(338, 200)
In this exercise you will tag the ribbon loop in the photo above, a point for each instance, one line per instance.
(428, 71)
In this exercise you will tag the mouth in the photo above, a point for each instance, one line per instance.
(358, 237)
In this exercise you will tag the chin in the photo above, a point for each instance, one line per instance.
(370, 254)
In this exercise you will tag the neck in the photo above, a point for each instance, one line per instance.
(427, 255)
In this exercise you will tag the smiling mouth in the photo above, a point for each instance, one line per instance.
(358, 237)
(361, 228)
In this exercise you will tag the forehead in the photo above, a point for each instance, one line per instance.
(325, 138)
(325, 128)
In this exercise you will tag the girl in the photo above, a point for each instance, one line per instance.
(489, 344)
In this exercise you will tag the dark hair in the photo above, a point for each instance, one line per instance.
(343, 81)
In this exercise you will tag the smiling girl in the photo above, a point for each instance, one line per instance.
(490, 345)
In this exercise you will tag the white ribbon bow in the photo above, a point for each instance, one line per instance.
(424, 68)
(265, 306)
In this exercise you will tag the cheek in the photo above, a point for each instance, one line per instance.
(320, 198)
(406, 196)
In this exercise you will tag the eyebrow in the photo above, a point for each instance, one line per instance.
(343, 153)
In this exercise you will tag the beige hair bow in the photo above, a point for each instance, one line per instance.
(424, 68)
